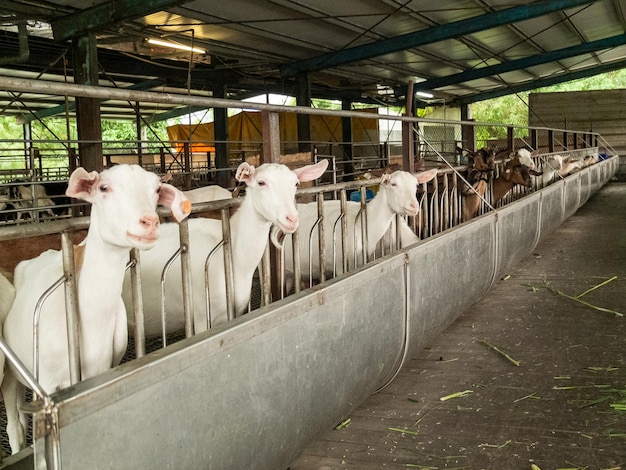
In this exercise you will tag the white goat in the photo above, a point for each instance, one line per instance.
(551, 168)
(7, 295)
(396, 195)
(526, 158)
(36, 198)
(207, 193)
(270, 199)
(123, 215)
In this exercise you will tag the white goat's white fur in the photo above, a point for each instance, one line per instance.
(207, 193)
(396, 195)
(270, 199)
(525, 157)
(551, 168)
(123, 215)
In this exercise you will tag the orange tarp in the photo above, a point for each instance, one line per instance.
(246, 128)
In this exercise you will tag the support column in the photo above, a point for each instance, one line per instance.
(140, 134)
(510, 138)
(88, 122)
(271, 137)
(408, 139)
(468, 132)
(222, 159)
(346, 138)
(303, 98)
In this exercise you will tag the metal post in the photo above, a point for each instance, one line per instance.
(228, 265)
(135, 284)
(185, 269)
(321, 237)
(71, 306)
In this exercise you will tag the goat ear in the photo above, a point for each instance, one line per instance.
(171, 197)
(385, 178)
(426, 176)
(311, 172)
(245, 172)
(81, 184)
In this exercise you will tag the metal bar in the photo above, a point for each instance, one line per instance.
(364, 238)
(105, 14)
(343, 198)
(163, 277)
(297, 262)
(266, 276)
(108, 93)
(541, 82)
(207, 284)
(310, 245)
(339, 220)
(139, 333)
(71, 306)
(22, 370)
(428, 36)
(321, 237)
(185, 271)
(228, 265)
(530, 61)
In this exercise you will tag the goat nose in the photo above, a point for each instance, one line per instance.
(292, 220)
(150, 221)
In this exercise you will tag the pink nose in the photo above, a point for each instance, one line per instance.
(292, 221)
(414, 208)
(149, 222)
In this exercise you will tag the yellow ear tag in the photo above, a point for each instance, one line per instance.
(185, 206)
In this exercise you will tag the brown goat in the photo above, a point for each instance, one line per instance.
(483, 163)
(514, 173)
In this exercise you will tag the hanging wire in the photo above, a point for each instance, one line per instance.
(506, 84)
(420, 135)
(368, 30)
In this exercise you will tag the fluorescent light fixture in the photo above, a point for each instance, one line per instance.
(423, 94)
(173, 45)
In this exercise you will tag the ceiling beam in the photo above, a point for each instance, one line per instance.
(525, 62)
(106, 14)
(540, 83)
(429, 36)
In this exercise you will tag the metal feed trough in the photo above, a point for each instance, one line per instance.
(254, 392)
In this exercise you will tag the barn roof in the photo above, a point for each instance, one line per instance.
(368, 51)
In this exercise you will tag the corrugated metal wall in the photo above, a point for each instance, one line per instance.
(602, 111)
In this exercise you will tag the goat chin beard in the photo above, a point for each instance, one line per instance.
(277, 237)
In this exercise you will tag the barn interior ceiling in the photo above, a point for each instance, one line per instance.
(368, 51)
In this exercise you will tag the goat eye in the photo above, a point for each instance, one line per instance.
(104, 188)
(262, 183)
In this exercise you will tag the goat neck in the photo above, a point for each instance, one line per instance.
(103, 265)
(379, 218)
(249, 235)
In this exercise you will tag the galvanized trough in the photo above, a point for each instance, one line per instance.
(253, 393)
